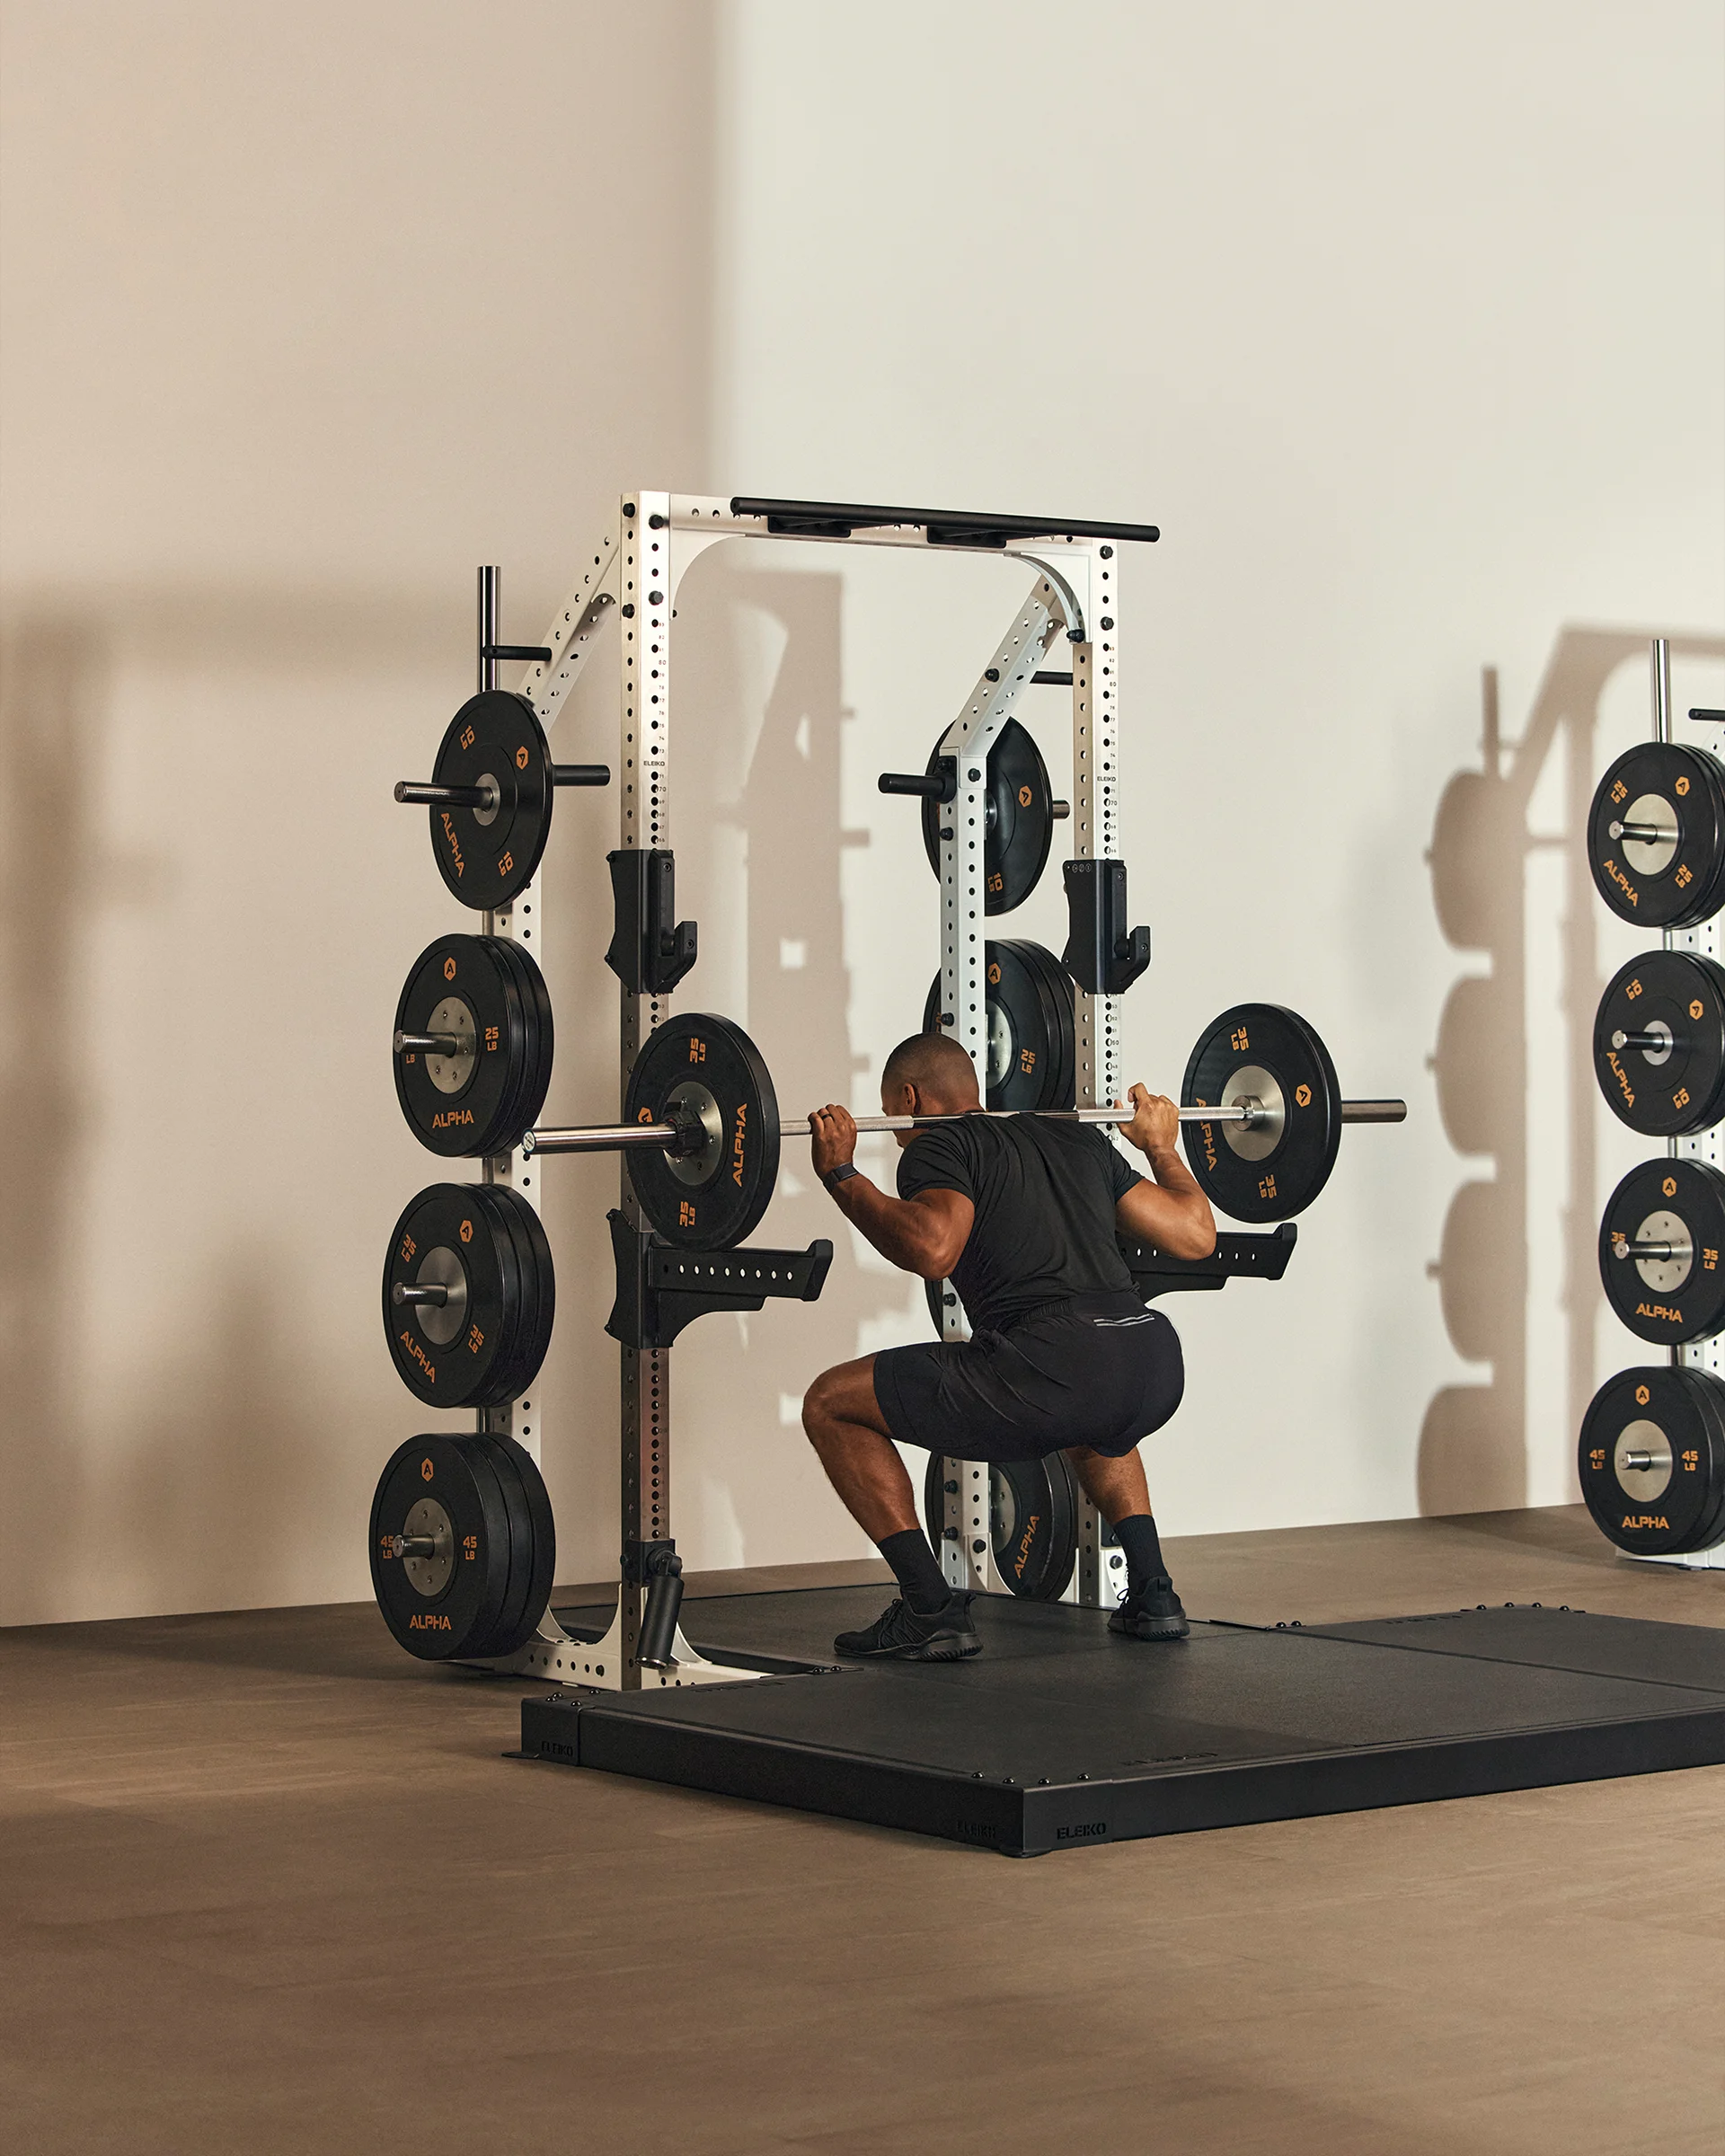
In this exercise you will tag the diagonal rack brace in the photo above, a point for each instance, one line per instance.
(661, 1289)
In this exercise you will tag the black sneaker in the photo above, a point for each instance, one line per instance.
(947, 1635)
(1152, 1612)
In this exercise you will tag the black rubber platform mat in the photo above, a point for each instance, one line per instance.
(1060, 1733)
(1692, 1654)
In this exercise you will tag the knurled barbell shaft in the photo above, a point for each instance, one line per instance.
(431, 1043)
(616, 1137)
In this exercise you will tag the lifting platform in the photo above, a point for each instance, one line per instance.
(1060, 1734)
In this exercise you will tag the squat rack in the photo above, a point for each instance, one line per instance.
(635, 569)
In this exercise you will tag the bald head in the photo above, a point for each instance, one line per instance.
(937, 1070)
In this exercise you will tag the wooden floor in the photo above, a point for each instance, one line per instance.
(266, 1884)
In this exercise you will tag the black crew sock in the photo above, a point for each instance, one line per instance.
(915, 1570)
(1137, 1535)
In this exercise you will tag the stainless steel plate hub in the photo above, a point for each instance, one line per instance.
(1003, 1048)
(1664, 1275)
(449, 1073)
(441, 1321)
(1641, 1461)
(698, 1167)
(1662, 1033)
(1652, 856)
(1252, 1086)
(428, 1573)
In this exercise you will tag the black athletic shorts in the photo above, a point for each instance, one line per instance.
(1097, 1370)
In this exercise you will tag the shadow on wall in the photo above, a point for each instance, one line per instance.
(1474, 1441)
(179, 1416)
(747, 1488)
(51, 682)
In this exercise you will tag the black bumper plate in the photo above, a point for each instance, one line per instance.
(1059, 1734)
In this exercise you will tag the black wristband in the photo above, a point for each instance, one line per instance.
(834, 1177)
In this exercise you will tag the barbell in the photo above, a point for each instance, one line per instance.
(683, 1135)
(472, 1050)
(468, 1287)
(702, 1131)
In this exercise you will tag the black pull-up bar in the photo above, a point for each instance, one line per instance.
(945, 527)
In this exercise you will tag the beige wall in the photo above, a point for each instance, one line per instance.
(1407, 330)
(308, 309)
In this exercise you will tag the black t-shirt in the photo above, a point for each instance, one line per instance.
(1045, 1194)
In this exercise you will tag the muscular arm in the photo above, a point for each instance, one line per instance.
(1173, 1211)
(925, 1235)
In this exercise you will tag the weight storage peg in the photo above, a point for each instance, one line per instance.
(702, 1134)
(1032, 1061)
(1019, 813)
(469, 1295)
(1032, 1521)
(473, 1044)
(1656, 835)
(1658, 1043)
(462, 1546)
(1651, 1459)
(492, 787)
(1659, 1245)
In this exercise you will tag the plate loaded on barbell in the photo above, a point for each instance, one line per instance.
(1033, 1521)
(1019, 813)
(473, 1044)
(1271, 1164)
(1033, 1039)
(469, 1295)
(490, 795)
(1658, 1043)
(1651, 1458)
(703, 1144)
(463, 1548)
(1660, 1244)
(704, 1078)
(1656, 836)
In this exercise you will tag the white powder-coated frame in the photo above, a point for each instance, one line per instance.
(635, 572)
